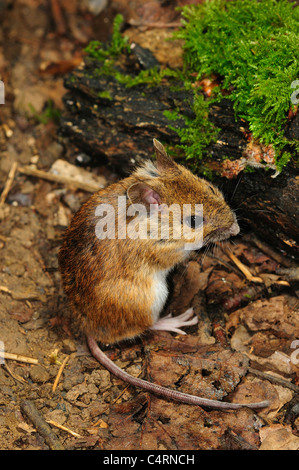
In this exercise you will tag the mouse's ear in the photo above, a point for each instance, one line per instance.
(143, 193)
(164, 162)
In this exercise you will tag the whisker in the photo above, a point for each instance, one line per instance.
(248, 199)
(183, 272)
(261, 210)
(236, 187)
(205, 253)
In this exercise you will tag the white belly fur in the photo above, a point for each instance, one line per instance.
(160, 290)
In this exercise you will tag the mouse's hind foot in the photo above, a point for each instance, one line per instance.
(170, 323)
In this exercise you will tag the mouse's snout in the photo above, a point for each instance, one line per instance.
(234, 229)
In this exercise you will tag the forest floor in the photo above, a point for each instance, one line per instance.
(243, 348)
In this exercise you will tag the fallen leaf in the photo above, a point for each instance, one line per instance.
(275, 314)
(189, 280)
(203, 370)
(253, 389)
(60, 67)
(278, 437)
(25, 428)
(82, 442)
(156, 424)
(21, 312)
(223, 285)
(147, 11)
(240, 338)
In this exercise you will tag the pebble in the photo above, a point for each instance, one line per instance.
(39, 374)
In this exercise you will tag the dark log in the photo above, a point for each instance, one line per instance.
(269, 206)
(116, 124)
(120, 129)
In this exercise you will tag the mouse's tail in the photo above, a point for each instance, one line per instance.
(163, 391)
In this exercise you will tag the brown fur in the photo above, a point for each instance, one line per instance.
(109, 283)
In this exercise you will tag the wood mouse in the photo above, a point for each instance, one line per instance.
(115, 283)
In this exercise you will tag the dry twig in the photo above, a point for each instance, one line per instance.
(14, 375)
(5, 289)
(279, 257)
(63, 428)
(27, 170)
(242, 267)
(8, 183)
(60, 371)
(17, 357)
(247, 272)
(274, 379)
(58, 17)
(40, 425)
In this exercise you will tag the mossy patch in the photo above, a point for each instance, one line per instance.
(251, 47)
(254, 47)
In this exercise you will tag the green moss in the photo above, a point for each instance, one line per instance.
(105, 94)
(117, 45)
(50, 113)
(151, 77)
(252, 46)
(199, 132)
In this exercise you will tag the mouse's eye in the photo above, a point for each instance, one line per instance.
(194, 221)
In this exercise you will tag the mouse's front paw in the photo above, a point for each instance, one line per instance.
(170, 323)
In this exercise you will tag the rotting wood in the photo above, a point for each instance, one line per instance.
(27, 170)
(41, 425)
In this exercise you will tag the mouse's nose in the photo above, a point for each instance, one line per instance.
(234, 229)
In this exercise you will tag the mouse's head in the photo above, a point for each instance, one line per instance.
(190, 210)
